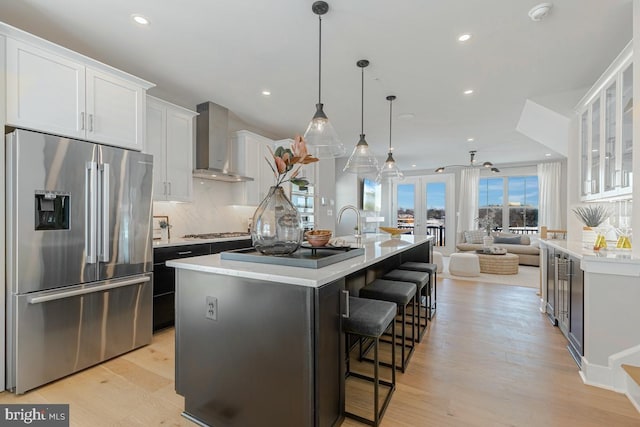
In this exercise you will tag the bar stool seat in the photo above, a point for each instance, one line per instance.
(403, 294)
(432, 290)
(421, 281)
(370, 318)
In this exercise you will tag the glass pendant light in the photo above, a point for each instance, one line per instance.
(390, 170)
(362, 160)
(320, 136)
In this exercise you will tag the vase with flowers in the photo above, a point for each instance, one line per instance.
(277, 225)
(487, 223)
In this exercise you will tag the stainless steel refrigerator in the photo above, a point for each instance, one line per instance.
(79, 255)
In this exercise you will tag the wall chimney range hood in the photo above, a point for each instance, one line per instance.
(214, 158)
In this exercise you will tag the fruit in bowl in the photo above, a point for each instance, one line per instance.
(318, 238)
(395, 231)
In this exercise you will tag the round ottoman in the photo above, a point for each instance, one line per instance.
(464, 264)
(437, 260)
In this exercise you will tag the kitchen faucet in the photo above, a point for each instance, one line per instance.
(353, 208)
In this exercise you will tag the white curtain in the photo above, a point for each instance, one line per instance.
(549, 179)
(468, 201)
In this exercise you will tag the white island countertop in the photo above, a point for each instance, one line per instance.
(377, 248)
(181, 241)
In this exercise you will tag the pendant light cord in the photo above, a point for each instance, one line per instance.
(362, 104)
(390, 115)
(319, 58)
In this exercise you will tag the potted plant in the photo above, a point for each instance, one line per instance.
(487, 223)
(164, 229)
(591, 216)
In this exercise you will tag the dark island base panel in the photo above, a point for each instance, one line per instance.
(164, 278)
(275, 353)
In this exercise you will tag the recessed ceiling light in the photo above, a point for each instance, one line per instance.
(469, 139)
(538, 12)
(464, 37)
(406, 116)
(266, 92)
(139, 19)
(468, 92)
(413, 166)
(547, 154)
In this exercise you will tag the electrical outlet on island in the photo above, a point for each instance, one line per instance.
(212, 308)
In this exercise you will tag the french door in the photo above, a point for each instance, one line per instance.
(425, 205)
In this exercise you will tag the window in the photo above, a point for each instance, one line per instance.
(491, 198)
(518, 211)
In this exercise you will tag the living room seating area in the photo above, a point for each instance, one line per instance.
(522, 245)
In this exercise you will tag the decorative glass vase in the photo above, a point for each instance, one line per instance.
(277, 226)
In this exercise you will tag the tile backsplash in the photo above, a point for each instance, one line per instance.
(211, 211)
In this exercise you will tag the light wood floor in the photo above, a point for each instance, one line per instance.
(489, 359)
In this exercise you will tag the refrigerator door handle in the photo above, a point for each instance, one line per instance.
(88, 290)
(90, 208)
(104, 250)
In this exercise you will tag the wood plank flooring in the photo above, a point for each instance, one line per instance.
(489, 358)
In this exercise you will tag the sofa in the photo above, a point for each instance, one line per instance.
(527, 248)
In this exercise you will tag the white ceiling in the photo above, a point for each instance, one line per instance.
(228, 51)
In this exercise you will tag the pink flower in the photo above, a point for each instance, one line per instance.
(299, 147)
(280, 165)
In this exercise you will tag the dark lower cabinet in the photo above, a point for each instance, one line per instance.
(565, 299)
(164, 278)
(551, 286)
(576, 310)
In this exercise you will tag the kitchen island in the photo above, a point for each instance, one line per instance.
(261, 344)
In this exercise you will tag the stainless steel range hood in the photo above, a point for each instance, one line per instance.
(214, 158)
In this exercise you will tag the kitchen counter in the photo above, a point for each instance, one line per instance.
(180, 241)
(377, 248)
(262, 344)
(607, 261)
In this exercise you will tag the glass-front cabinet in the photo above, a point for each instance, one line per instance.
(605, 126)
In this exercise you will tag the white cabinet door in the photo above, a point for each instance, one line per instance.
(115, 110)
(44, 91)
(156, 146)
(170, 141)
(251, 150)
(179, 154)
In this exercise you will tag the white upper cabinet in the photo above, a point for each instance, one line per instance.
(605, 133)
(52, 92)
(250, 151)
(44, 91)
(170, 141)
(115, 110)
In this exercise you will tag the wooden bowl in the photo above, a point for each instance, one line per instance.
(395, 231)
(318, 238)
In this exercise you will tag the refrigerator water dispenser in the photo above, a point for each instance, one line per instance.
(51, 210)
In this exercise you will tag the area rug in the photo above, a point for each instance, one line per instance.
(527, 276)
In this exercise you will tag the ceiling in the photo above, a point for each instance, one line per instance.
(229, 51)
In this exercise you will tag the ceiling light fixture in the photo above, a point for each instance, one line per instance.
(464, 37)
(470, 140)
(468, 92)
(139, 19)
(472, 163)
(362, 160)
(266, 93)
(538, 12)
(322, 139)
(390, 170)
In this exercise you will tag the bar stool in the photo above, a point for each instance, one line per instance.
(368, 318)
(403, 294)
(421, 280)
(432, 269)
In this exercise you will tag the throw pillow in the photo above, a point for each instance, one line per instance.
(474, 236)
(507, 240)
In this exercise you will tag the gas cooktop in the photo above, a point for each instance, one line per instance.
(217, 235)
